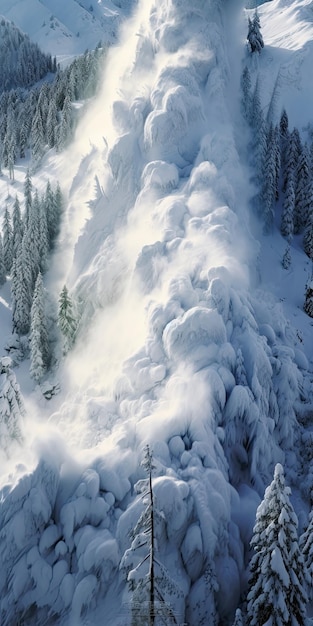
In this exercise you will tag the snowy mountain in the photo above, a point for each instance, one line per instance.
(66, 28)
(192, 337)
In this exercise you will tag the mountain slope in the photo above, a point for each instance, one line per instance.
(66, 28)
(181, 344)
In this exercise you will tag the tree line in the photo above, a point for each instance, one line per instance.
(283, 174)
(34, 120)
(26, 242)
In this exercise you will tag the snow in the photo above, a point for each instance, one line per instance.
(176, 280)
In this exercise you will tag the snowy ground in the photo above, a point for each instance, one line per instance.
(157, 240)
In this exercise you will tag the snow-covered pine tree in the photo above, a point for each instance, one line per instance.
(11, 406)
(254, 37)
(238, 621)
(277, 586)
(268, 190)
(52, 123)
(53, 203)
(21, 286)
(308, 302)
(306, 547)
(67, 320)
(287, 220)
(240, 374)
(286, 260)
(308, 238)
(302, 200)
(7, 234)
(28, 188)
(17, 225)
(31, 239)
(43, 237)
(148, 579)
(39, 345)
(66, 124)
(292, 154)
(246, 96)
(2, 266)
(37, 137)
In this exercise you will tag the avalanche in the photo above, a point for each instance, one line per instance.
(179, 347)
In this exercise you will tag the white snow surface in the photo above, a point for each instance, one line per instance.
(178, 286)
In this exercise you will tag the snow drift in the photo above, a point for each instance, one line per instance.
(177, 346)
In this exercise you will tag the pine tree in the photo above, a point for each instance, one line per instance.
(21, 286)
(268, 191)
(302, 200)
(277, 585)
(246, 94)
(37, 137)
(7, 241)
(254, 37)
(238, 621)
(28, 188)
(66, 320)
(2, 266)
(286, 261)
(17, 225)
(308, 302)
(11, 406)
(148, 583)
(306, 547)
(39, 346)
(293, 151)
(66, 125)
(308, 238)
(287, 219)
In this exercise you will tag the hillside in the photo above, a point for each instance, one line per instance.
(192, 336)
(66, 28)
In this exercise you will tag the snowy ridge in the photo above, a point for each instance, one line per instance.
(183, 351)
(66, 28)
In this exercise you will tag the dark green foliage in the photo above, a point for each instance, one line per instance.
(254, 37)
(277, 585)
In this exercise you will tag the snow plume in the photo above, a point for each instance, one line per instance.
(171, 349)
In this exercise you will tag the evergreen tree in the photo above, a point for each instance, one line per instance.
(17, 225)
(308, 238)
(37, 137)
(268, 191)
(43, 237)
(66, 124)
(28, 188)
(287, 219)
(246, 94)
(277, 585)
(21, 286)
(306, 547)
(241, 374)
(11, 406)
(7, 241)
(52, 123)
(31, 239)
(293, 150)
(238, 621)
(149, 583)
(254, 37)
(39, 346)
(286, 261)
(308, 303)
(2, 266)
(66, 320)
(302, 200)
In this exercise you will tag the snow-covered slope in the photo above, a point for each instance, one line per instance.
(66, 28)
(181, 344)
